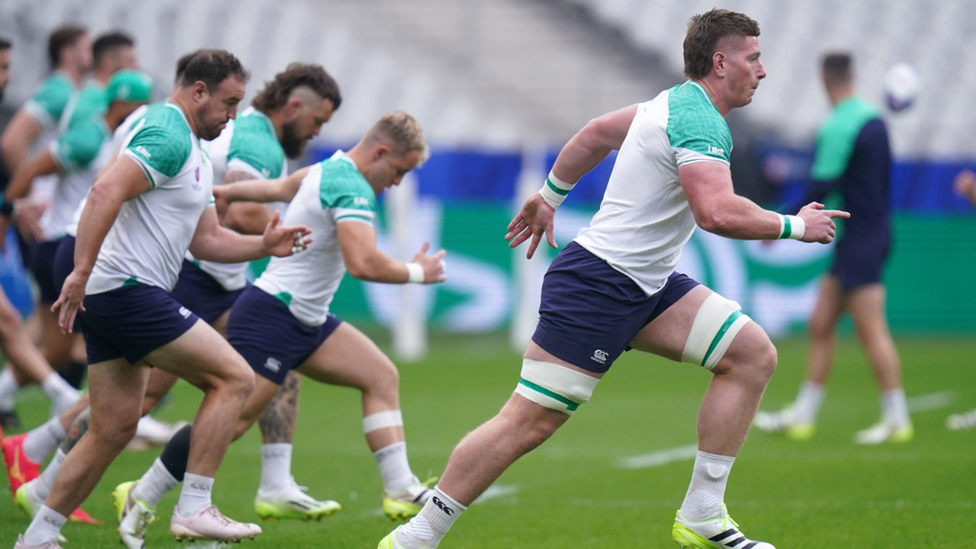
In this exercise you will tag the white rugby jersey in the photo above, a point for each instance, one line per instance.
(333, 192)
(644, 220)
(147, 242)
(248, 144)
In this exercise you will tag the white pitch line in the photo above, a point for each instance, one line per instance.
(659, 458)
(931, 401)
(497, 491)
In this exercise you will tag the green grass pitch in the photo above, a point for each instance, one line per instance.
(573, 493)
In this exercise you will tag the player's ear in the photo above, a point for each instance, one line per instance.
(718, 63)
(379, 151)
(199, 91)
(292, 107)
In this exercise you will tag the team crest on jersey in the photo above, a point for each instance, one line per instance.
(196, 185)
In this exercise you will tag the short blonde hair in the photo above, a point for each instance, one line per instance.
(401, 131)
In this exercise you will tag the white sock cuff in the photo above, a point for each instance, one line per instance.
(382, 420)
(715, 458)
(390, 448)
(197, 482)
(276, 450)
(161, 470)
(56, 429)
(448, 499)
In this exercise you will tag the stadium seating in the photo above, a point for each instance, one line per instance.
(928, 35)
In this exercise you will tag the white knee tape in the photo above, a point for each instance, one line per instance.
(555, 387)
(382, 420)
(715, 326)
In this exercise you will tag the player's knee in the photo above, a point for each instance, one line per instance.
(819, 329)
(752, 357)
(239, 382)
(384, 383)
(115, 435)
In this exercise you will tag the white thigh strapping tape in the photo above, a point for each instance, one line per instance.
(555, 387)
(716, 324)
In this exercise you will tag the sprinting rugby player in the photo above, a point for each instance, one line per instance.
(140, 218)
(33, 127)
(76, 158)
(283, 117)
(854, 156)
(282, 322)
(672, 172)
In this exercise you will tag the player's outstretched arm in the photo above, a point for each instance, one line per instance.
(124, 181)
(717, 209)
(282, 189)
(581, 154)
(211, 242)
(367, 262)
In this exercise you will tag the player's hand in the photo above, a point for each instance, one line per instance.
(965, 185)
(27, 219)
(820, 226)
(534, 220)
(70, 301)
(434, 266)
(284, 241)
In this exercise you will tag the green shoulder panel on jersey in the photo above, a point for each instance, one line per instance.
(255, 143)
(835, 141)
(53, 96)
(694, 123)
(343, 188)
(79, 146)
(92, 101)
(164, 142)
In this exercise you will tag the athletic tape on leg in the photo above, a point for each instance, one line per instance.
(382, 420)
(716, 324)
(553, 386)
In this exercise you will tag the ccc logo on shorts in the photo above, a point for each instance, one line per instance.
(184, 312)
(600, 356)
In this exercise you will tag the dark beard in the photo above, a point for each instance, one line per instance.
(291, 142)
(207, 133)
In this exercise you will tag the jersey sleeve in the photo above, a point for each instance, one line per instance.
(260, 158)
(79, 146)
(49, 101)
(348, 199)
(160, 153)
(699, 136)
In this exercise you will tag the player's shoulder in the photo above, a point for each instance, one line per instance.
(695, 124)
(849, 116)
(341, 178)
(255, 142)
(79, 146)
(163, 140)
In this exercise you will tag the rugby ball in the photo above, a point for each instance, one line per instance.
(901, 86)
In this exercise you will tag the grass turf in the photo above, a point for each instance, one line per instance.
(572, 492)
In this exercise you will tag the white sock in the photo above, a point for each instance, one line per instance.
(807, 403)
(45, 527)
(433, 521)
(40, 442)
(57, 389)
(154, 484)
(394, 467)
(707, 490)
(8, 388)
(195, 495)
(894, 406)
(275, 467)
(42, 487)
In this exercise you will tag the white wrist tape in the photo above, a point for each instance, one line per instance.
(382, 420)
(415, 273)
(554, 190)
(791, 226)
